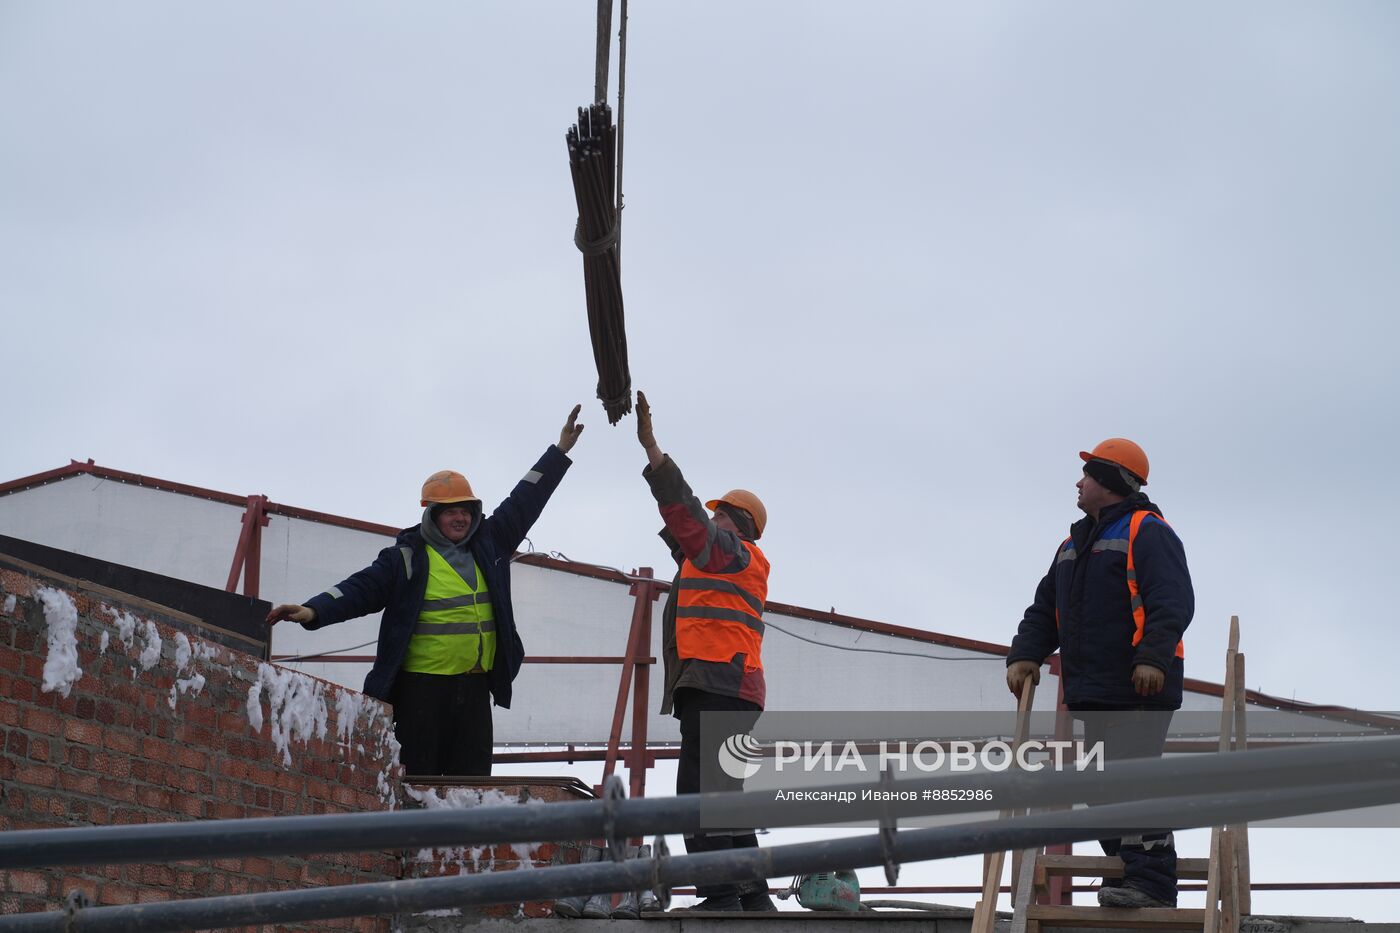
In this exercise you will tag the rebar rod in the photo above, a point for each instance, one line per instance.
(730, 866)
(1377, 759)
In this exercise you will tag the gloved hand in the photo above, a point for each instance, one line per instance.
(644, 433)
(571, 431)
(300, 614)
(1148, 680)
(1017, 673)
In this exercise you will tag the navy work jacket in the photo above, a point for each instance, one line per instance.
(1083, 608)
(397, 579)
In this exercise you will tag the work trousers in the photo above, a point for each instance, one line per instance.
(443, 723)
(689, 704)
(1149, 856)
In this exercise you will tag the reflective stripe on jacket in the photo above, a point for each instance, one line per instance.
(1139, 610)
(720, 615)
(456, 631)
(1106, 620)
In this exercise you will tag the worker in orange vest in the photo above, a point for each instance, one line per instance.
(712, 641)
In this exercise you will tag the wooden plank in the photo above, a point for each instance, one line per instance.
(1118, 918)
(1023, 892)
(1084, 866)
(1227, 721)
(984, 916)
(1242, 744)
(1230, 891)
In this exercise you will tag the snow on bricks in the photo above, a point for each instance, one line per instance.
(519, 856)
(110, 714)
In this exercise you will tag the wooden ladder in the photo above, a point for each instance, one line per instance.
(1226, 871)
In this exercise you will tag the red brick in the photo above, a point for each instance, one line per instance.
(79, 783)
(39, 750)
(25, 691)
(32, 666)
(80, 758)
(87, 885)
(192, 758)
(42, 722)
(115, 894)
(111, 789)
(17, 744)
(86, 708)
(192, 806)
(88, 733)
(156, 750)
(36, 774)
(26, 882)
(123, 742)
(155, 798)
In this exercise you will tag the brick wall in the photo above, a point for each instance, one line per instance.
(109, 714)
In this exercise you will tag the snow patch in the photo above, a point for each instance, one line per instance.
(9, 604)
(255, 717)
(126, 625)
(61, 668)
(461, 798)
(183, 655)
(296, 707)
(102, 643)
(150, 657)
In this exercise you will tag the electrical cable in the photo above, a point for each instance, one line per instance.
(557, 555)
(633, 578)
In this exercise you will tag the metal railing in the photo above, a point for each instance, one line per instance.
(1167, 794)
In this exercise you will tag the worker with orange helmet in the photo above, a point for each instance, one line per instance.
(447, 640)
(712, 635)
(1115, 603)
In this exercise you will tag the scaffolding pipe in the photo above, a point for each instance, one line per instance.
(730, 866)
(359, 832)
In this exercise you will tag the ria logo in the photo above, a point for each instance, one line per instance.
(740, 756)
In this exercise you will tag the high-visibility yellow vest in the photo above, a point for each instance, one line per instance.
(456, 630)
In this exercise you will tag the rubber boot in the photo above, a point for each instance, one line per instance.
(572, 907)
(599, 906)
(647, 901)
(634, 903)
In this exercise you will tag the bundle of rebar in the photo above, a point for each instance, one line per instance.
(592, 162)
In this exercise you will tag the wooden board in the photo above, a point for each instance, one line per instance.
(1120, 918)
(1109, 866)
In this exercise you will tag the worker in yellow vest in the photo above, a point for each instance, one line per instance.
(712, 641)
(447, 641)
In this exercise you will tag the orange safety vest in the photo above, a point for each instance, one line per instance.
(719, 615)
(1139, 612)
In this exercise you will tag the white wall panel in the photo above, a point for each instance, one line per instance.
(558, 614)
(176, 535)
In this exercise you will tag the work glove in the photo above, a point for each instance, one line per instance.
(571, 431)
(299, 614)
(1017, 672)
(644, 433)
(1148, 680)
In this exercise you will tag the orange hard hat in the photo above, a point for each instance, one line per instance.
(447, 486)
(1121, 452)
(743, 499)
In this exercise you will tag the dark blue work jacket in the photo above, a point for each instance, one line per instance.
(397, 579)
(1084, 608)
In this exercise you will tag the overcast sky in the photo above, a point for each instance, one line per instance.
(890, 265)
